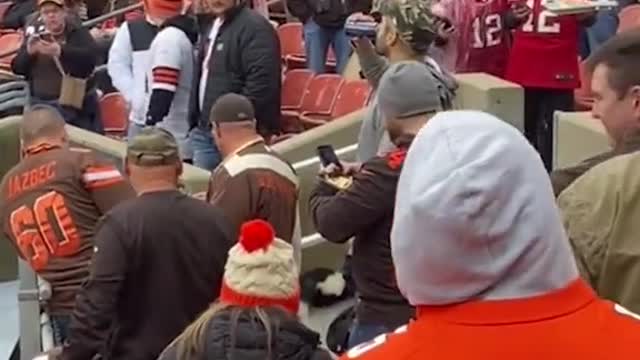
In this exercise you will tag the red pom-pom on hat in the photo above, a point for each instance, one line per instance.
(256, 234)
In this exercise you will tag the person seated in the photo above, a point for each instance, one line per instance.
(255, 316)
(479, 247)
(57, 58)
(615, 84)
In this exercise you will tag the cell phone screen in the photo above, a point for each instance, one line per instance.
(328, 156)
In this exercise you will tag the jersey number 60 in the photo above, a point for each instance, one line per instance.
(35, 234)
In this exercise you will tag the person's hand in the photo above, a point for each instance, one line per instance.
(360, 17)
(521, 11)
(96, 33)
(33, 45)
(50, 48)
(346, 169)
(445, 30)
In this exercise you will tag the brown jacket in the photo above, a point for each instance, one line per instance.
(562, 178)
(365, 211)
(600, 212)
(256, 183)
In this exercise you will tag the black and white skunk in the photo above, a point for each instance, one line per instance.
(324, 287)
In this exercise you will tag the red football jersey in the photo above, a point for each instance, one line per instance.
(483, 44)
(545, 50)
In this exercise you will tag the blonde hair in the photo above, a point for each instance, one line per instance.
(191, 343)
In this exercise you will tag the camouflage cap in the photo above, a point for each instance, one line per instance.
(153, 146)
(414, 20)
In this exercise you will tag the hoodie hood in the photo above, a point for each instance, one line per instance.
(475, 216)
(186, 23)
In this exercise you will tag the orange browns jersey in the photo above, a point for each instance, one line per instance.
(50, 204)
(571, 323)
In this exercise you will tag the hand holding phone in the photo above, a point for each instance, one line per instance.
(328, 156)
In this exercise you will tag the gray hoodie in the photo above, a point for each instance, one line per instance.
(475, 216)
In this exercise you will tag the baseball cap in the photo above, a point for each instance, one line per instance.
(231, 108)
(56, 2)
(408, 89)
(153, 146)
(417, 25)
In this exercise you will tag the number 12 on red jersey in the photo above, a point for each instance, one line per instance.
(542, 21)
(35, 234)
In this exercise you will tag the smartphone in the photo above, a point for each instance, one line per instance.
(328, 156)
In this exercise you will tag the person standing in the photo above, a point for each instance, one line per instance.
(599, 204)
(239, 52)
(169, 80)
(324, 22)
(129, 57)
(406, 31)
(615, 83)
(157, 264)
(56, 47)
(544, 60)
(480, 250)
(252, 182)
(408, 96)
(50, 204)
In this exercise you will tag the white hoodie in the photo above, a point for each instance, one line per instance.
(475, 216)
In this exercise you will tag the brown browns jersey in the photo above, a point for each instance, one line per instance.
(50, 204)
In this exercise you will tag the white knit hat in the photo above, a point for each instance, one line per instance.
(475, 216)
(261, 270)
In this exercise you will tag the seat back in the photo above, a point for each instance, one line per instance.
(293, 88)
(629, 18)
(353, 95)
(321, 93)
(114, 113)
(9, 41)
(291, 39)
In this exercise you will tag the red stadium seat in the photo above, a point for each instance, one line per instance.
(583, 96)
(293, 87)
(319, 98)
(629, 18)
(114, 112)
(4, 6)
(9, 41)
(353, 96)
(292, 45)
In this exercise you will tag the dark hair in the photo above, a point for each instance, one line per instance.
(621, 55)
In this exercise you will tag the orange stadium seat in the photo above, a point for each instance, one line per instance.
(293, 87)
(629, 18)
(9, 41)
(318, 98)
(353, 96)
(114, 113)
(292, 45)
(583, 96)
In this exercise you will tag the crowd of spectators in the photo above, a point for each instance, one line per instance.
(456, 220)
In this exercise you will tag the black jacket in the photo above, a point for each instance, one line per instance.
(365, 211)
(330, 13)
(158, 263)
(78, 59)
(17, 14)
(245, 59)
(290, 339)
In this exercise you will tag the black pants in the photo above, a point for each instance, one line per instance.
(539, 106)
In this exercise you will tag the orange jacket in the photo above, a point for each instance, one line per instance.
(571, 323)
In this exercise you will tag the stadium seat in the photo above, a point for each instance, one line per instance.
(629, 18)
(114, 113)
(353, 95)
(293, 87)
(319, 98)
(292, 45)
(583, 96)
(4, 6)
(9, 41)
